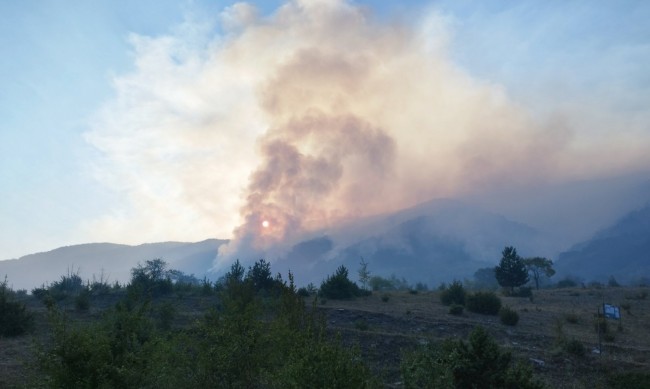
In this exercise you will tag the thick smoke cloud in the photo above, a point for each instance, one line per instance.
(312, 116)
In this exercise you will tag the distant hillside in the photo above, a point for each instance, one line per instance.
(433, 242)
(114, 260)
(622, 251)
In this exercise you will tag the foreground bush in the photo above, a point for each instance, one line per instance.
(486, 303)
(15, 320)
(479, 363)
(453, 294)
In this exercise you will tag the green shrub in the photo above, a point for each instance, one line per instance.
(82, 301)
(479, 363)
(385, 297)
(508, 316)
(456, 309)
(629, 380)
(303, 292)
(575, 347)
(486, 303)
(15, 320)
(338, 286)
(453, 294)
(567, 283)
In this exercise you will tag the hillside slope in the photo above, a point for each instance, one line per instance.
(622, 251)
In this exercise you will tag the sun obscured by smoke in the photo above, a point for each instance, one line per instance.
(313, 115)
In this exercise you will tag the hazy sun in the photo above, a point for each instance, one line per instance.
(265, 224)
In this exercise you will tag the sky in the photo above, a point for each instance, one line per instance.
(141, 121)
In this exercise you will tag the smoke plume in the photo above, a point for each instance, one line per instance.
(282, 126)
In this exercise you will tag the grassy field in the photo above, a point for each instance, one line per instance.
(386, 324)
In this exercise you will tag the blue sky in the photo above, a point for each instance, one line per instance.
(61, 61)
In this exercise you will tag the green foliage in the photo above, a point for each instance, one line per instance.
(378, 283)
(249, 342)
(260, 277)
(538, 267)
(574, 347)
(338, 286)
(567, 283)
(453, 294)
(456, 309)
(486, 303)
(15, 320)
(508, 316)
(479, 363)
(82, 301)
(364, 274)
(385, 297)
(151, 279)
(511, 271)
(629, 380)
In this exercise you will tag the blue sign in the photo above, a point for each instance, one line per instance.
(611, 312)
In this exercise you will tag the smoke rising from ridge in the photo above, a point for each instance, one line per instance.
(314, 115)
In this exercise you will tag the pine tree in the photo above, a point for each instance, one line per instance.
(511, 271)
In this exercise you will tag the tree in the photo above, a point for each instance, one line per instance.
(539, 266)
(338, 286)
(511, 271)
(364, 274)
(260, 276)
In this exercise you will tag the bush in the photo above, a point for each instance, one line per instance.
(486, 303)
(479, 363)
(338, 286)
(575, 347)
(82, 301)
(15, 320)
(385, 298)
(453, 294)
(567, 283)
(523, 291)
(303, 292)
(456, 309)
(508, 316)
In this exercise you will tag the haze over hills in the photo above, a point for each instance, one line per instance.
(622, 250)
(433, 242)
(114, 261)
